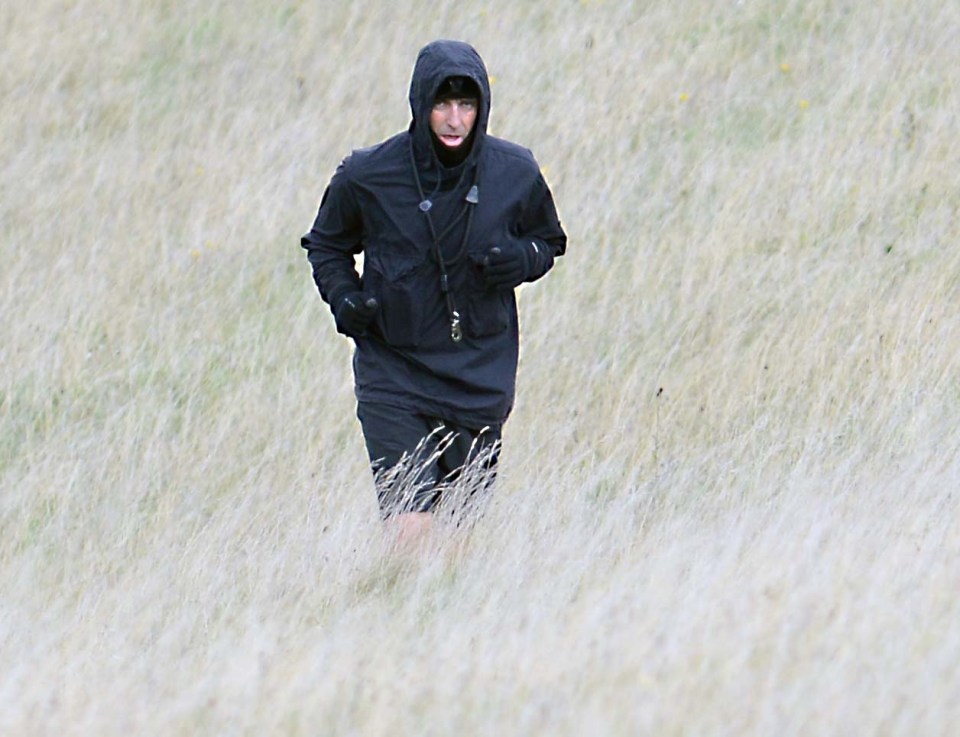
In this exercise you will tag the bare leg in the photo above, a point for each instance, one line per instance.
(409, 531)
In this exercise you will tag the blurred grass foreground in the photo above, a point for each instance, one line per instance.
(729, 496)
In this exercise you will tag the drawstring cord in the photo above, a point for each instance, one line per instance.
(456, 332)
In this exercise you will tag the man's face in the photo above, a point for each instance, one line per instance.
(452, 119)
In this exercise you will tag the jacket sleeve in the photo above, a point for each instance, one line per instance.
(335, 239)
(540, 227)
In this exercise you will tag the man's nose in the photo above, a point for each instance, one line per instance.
(455, 114)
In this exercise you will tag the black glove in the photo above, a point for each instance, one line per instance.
(353, 313)
(504, 267)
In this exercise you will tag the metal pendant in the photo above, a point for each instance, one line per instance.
(425, 206)
(456, 334)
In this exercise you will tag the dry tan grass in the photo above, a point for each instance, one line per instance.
(729, 493)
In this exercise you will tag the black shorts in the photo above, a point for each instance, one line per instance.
(419, 461)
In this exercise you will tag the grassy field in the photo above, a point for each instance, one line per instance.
(729, 497)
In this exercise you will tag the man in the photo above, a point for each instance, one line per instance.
(450, 220)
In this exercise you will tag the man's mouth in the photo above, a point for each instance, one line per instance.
(450, 140)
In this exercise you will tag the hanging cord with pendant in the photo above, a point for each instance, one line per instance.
(472, 198)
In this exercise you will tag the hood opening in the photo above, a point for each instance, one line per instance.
(438, 63)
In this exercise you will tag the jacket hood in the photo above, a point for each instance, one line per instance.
(435, 62)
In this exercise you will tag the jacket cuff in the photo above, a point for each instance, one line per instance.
(539, 258)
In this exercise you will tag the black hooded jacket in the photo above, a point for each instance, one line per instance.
(373, 205)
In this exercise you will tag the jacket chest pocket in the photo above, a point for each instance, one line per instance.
(394, 273)
(487, 311)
